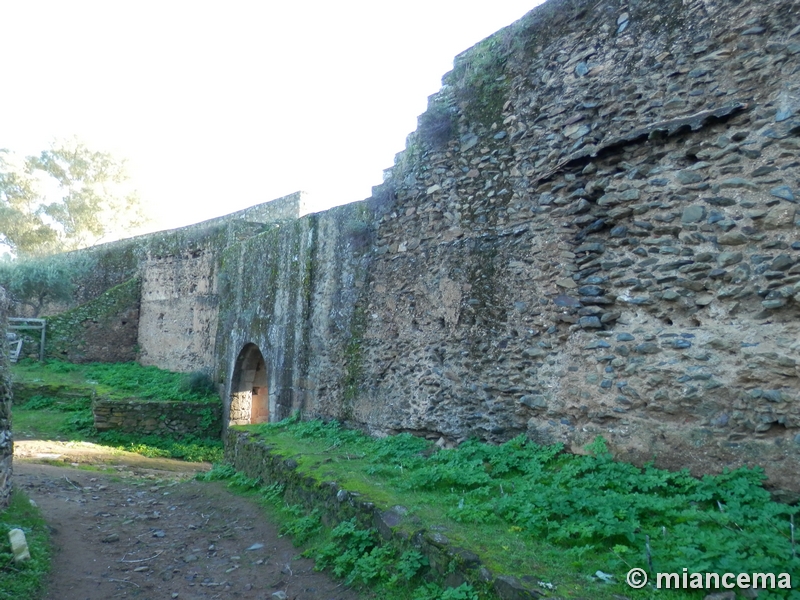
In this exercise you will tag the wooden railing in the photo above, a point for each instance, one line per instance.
(15, 323)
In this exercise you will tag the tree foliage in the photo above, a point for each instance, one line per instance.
(67, 197)
(35, 281)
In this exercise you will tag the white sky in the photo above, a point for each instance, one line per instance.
(221, 105)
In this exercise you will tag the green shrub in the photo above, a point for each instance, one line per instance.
(717, 523)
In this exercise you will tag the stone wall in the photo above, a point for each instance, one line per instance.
(179, 301)
(6, 437)
(104, 329)
(153, 417)
(179, 311)
(293, 292)
(172, 322)
(594, 233)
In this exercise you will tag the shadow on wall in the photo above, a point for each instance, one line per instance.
(249, 399)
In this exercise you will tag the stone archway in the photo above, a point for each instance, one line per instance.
(249, 388)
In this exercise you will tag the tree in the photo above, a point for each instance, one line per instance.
(67, 197)
(38, 280)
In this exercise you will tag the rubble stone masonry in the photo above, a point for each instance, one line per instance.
(6, 438)
(593, 231)
(604, 242)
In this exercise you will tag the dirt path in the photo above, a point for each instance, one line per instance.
(147, 530)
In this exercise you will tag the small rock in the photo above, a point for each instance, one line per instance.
(781, 262)
(255, 546)
(693, 214)
(761, 171)
(783, 192)
(606, 577)
(567, 283)
(704, 300)
(111, 537)
(590, 323)
(737, 182)
(567, 301)
(729, 258)
(597, 344)
(719, 201)
(533, 401)
(779, 216)
(732, 238)
(647, 348)
(19, 545)
(591, 290)
(679, 344)
(773, 304)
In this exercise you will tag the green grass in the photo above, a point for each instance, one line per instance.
(527, 509)
(26, 579)
(116, 380)
(49, 424)
(62, 411)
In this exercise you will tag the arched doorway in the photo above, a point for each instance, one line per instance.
(249, 389)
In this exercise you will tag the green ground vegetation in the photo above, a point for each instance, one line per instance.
(347, 550)
(23, 580)
(62, 407)
(578, 523)
(116, 380)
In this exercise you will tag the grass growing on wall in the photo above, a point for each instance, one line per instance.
(65, 328)
(528, 508)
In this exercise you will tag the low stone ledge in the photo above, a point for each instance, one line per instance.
(450, 564)
(149, 417)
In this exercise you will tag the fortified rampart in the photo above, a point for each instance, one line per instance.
(154, 297)
(609, 246)
(592, 232)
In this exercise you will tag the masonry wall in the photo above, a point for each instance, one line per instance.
(294, 292)
(594, 233)
(170, 321)
(179, 299)
(104, 329)
(6, 437)
(154, 417)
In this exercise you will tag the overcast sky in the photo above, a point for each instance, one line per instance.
(221, 105)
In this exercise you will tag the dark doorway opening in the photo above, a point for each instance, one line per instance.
(249, 388)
